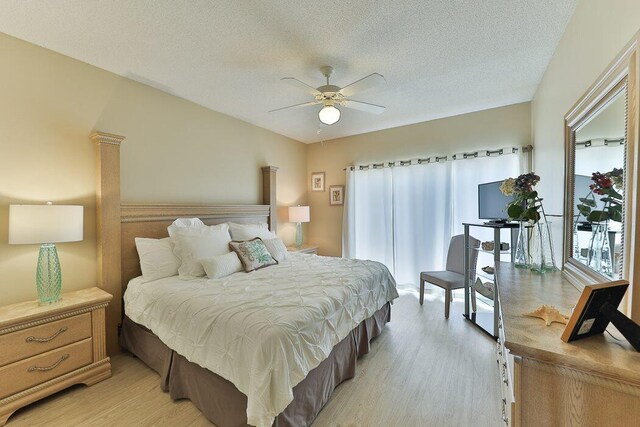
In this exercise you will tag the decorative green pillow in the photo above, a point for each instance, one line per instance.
(253, 254)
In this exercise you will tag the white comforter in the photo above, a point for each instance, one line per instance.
(265, 330)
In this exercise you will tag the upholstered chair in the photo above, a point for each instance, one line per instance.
(453, 277)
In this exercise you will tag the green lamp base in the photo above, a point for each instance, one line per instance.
(48, 274)
(299, 237)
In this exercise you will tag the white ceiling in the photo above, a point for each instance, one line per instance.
(439, 58)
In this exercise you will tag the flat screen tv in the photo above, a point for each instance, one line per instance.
(492, 204)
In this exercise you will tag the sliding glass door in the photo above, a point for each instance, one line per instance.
(404, 216)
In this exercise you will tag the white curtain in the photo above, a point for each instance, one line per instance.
(368, 229)
(404, 216)
(422, 218)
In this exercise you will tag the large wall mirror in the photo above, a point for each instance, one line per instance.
(601, 205)
(598, 187)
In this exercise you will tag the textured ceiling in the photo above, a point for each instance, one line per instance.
(439, 58)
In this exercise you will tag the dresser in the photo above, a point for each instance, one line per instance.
(44, 349)
(547, 382)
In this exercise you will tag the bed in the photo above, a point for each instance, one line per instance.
(338, 305)
(225, 397)
(262, 348)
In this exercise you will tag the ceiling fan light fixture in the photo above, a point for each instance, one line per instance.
(329, 115)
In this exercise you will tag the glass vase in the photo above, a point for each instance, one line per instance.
(521, 254)
(576, 243)
(599, 258)
(541, 256)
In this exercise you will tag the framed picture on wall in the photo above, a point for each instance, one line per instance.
(317, 181)
(336, 195)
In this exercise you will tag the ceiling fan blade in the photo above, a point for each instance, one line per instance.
(301, 85)
(363, 106)
(304, 104)
(363, 84)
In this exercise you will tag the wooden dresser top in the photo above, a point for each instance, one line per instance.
(29, 310)
(521, 291)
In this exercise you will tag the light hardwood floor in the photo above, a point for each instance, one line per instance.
(422, 371)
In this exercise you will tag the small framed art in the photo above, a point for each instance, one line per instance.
(591, 314)
(317, 181)
(336, 195)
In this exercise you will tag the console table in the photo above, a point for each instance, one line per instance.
(485, 320)
(546, 382)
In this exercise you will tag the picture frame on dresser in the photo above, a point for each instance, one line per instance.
(596, 308)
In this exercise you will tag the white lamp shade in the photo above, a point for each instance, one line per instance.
(299, 214)
(29, 224)
(329, 115)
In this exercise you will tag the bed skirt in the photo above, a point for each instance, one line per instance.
(222, 403)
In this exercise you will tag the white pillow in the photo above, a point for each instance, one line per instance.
(241, 232)
(183, 223)
(276, 248)
(157, 259)
(221, 265)
(191, 227)
(191, 247)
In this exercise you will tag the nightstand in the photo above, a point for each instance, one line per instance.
(47, 348)
(304, 249)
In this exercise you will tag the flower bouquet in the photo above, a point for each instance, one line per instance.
(604, 184)
(526, 204)
(608, 186)
(534, 248)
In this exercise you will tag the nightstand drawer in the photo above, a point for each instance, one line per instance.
(43, 367)
(311, 251)
(304, 249)
(39, 339)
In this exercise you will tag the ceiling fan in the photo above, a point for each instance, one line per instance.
(330, 95)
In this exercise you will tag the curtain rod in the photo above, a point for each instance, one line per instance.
(599, 142)
(439, 159)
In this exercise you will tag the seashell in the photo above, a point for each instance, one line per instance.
(549, 314)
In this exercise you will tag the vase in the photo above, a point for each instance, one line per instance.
(599, 256)
(521, 254)
(541, 256)
(576, 243)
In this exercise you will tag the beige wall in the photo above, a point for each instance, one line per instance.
(494, 128)
(598, 30)
(175, 151)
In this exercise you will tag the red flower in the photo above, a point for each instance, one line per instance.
(601, 182)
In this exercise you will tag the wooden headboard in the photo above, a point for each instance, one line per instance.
(119, 224)
(152, 220)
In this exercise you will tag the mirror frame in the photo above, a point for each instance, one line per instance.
(622, 71)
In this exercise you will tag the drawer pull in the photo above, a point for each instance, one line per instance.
(34, 339)
(35, 368)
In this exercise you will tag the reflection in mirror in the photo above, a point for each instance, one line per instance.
(599, 188)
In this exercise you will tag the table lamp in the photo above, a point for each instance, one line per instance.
(46, 224)
(299, 214)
